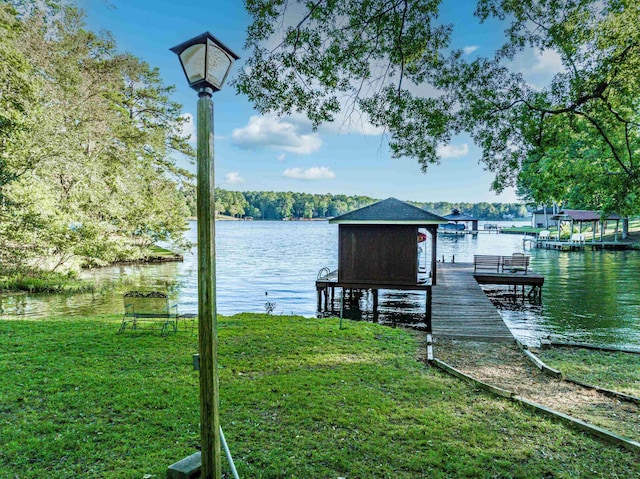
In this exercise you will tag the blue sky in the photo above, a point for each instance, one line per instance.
(255, 153)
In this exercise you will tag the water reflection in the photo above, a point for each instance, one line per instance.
(587, 296)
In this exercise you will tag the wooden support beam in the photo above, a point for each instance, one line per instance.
(207, 315)
(429, 309)
(434, 239)
(187, 468)
(429, 347)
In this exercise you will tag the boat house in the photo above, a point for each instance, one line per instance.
(542, 218)
(596, 219)
(458, 222)
(378, 248)
(567, 220)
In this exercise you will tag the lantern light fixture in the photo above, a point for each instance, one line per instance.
(206, 62)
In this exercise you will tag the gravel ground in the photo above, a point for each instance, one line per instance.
(506, 366)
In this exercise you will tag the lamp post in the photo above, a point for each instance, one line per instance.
(206, 63)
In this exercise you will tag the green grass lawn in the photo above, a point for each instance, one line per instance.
(300, 398)
(521, 229)
(611, 370)
(45, 282)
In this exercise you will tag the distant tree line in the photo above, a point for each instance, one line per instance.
(270, 205)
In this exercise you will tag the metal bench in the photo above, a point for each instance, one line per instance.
(149, 306)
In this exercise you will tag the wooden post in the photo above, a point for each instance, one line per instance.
(207, 320)
(374, 293)
(559, 229)
(539, 294)
(434, 240)
(319, 294)
(428, 311)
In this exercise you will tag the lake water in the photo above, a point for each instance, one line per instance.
(587, 296)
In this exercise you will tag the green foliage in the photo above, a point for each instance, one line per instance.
(87, 171)
(612, 370)
(573, 141)
(358, 49)
(299, 398)
(46, 282)
(270, 205)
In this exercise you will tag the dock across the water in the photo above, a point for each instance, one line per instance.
(580, 245)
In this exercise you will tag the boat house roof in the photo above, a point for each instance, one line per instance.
(541, 211)
(457, 216)
(583, 215)
(389, 212)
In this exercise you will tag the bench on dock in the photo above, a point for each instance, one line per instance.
(577, 238)
(515, 262)
(501, 264)
(149, 306)
(483, 261)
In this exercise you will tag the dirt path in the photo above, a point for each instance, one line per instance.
(506, 366)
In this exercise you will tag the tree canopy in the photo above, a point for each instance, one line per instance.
(575, 140)
(88, 140)
(272, 205)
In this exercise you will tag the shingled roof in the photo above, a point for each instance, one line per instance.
(584, 215)
(457, 216)
(390, 211)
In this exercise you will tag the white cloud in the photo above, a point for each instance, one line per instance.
(548, 61)
(452, 151)
(470, 49)
(313, 173)
(538, 66)
(189, 128)
(273, 132)
(281, 157)
(233, 178)
(351, 122)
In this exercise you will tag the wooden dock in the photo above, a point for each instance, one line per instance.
(461, 309)
(456, 307)
(579, 246)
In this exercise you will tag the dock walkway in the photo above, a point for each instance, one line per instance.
(456, 307)
(461, 309)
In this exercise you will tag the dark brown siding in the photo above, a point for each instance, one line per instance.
(381, 254)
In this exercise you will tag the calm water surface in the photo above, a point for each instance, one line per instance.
(587, 296)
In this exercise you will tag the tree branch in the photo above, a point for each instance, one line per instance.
(399, 46)
(300, 23)
(606, 139)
